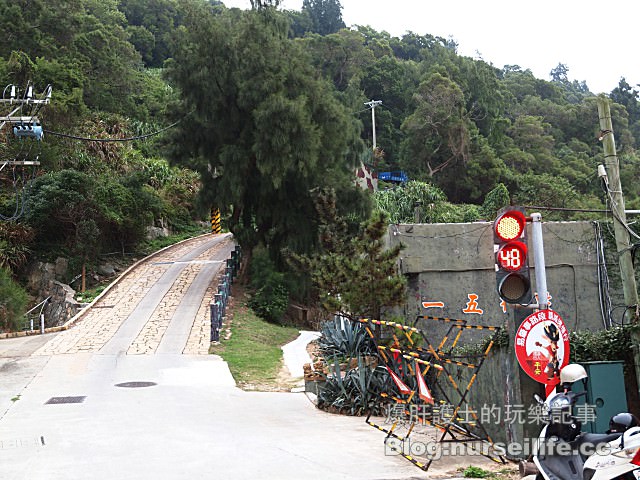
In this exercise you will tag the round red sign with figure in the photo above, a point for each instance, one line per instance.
(542, 346)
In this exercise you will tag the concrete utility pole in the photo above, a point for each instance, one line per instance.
(373, 104)
(623, 243)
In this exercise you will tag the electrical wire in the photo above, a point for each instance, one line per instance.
(410, 235)
(604, 292)
(360, 111)
(21, 186)
(559, 209)
(624, 312)
(617, 217)
(615, 207)
(127, 139)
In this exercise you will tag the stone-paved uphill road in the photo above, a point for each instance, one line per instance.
(159, 305)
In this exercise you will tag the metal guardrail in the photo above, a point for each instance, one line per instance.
(29, 320)
(218, 305)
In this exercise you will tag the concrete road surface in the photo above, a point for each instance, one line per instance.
(119, 396)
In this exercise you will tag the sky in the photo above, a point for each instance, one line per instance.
(597, 41)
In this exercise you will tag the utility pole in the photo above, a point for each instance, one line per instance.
(373, 104)
(623, 243)
(24, 126)
(29, 98)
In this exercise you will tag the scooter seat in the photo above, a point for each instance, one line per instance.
(596, 439)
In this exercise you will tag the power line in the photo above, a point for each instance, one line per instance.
(127, 139)
(560, 209)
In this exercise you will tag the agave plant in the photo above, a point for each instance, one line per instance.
(341, 337)
(355, 392)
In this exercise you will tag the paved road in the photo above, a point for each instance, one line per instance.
(162, 303)
(129, 392)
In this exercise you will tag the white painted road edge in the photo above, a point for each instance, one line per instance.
(295, 353)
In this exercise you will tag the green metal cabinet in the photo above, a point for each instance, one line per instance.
(605, 391)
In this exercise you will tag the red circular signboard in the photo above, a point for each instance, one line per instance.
(542, 346)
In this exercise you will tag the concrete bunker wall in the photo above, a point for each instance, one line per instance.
(454, 264)
(448, 262)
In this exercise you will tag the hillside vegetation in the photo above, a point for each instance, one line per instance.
(266, 109)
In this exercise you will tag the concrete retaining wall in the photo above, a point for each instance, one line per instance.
(448, 262)
(454, 264)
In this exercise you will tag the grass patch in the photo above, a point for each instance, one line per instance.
(475, 472)
(90, 294)
(253, 351)
(507, 473)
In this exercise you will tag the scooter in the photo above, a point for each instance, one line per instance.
(622, 460)
(563, 452)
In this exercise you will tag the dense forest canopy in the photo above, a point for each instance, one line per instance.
(270, 108)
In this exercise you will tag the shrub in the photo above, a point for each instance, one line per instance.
(271, 295)
(270, 302)
(14, 245)
(603, 345)
(13, 301)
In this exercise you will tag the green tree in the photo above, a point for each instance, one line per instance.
(532, 136)
(85, 40)
(393, 82)
(485, 96)
(341, 56)
(150, 24)
(573, 91)
(544, 190)
(264, 4)
(628, 96)
(559, 74)
(519, 83)
(428, 48)
(59, 203)
(271, 293)
(325, 15)
(495, 200)
(88, 213)
(353, 275)
(438, 132)
(265, 130)
(299, 23)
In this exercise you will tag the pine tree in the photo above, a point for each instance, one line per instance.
(354, 276)
(264, 130)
